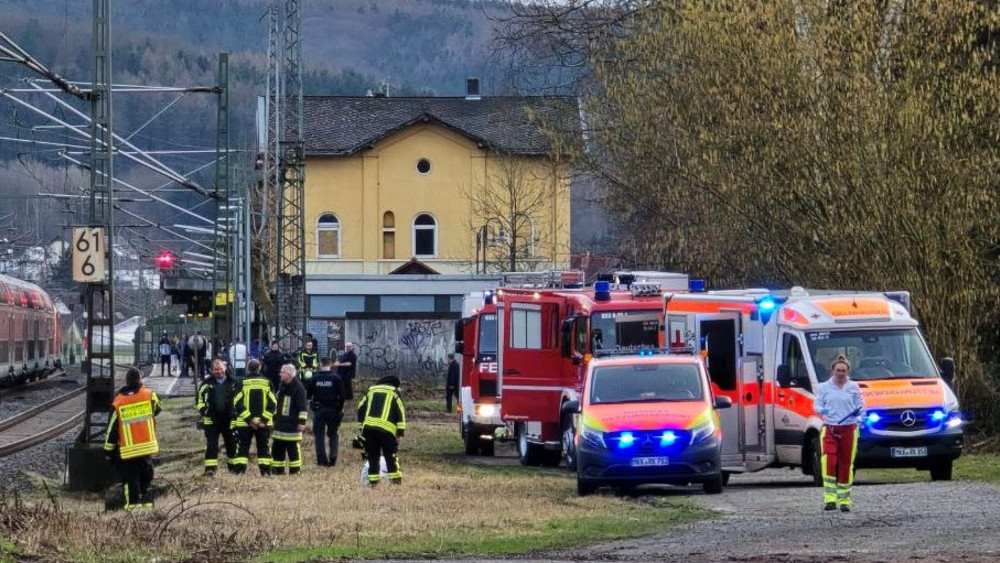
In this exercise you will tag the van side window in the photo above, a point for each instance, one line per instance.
(793, 358)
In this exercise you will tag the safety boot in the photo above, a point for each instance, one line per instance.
(209, 472)
(396, 480)
(845, 508)
(830, 506)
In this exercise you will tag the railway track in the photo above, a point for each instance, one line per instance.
(42, 423)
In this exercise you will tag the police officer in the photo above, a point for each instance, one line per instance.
(307, 360)
(273, 360)
(215, 404)
(383, 421)
(326, 395)
(254, 406)
(289, 422)
(131, 438)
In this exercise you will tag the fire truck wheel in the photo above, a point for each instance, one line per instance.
(941, 471)
(569, 442)
(714, 486)
(528, 453)
(584, 488)
(817, 462)
(471, 439)
(487, 448)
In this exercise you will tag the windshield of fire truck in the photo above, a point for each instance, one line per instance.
(645, 382)
(488, 334)
(623, 330)
(874, 354)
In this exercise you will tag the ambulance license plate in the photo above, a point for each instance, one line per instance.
(650, 461)
(909, 452)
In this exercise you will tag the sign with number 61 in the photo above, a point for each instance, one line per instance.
(88, 254)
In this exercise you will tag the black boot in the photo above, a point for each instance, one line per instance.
(830, 506)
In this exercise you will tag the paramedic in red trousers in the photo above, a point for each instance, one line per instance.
(383, 421)
(839, 402)
(131, 438)
(289, 422)
(216, 397)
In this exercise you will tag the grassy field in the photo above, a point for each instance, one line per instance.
(446, 506)
(977, 467)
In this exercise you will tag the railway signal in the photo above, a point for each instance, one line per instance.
(165, 261)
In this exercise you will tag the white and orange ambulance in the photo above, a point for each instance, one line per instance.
(769, 350)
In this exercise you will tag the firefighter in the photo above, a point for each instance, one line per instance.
(839, 402)
(383, 422)
(254, 406)
(289, 422)
(131, 438)
(326, 397)
(307, 360)
(215, 404)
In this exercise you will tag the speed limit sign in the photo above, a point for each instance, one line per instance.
(88, 254)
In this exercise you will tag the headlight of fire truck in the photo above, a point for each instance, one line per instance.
(592, 437)
(703, 432)
(486, 410)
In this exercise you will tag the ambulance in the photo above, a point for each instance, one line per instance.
(769, 350)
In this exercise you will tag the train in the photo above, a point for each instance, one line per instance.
(37, 335)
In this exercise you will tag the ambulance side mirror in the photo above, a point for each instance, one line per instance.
(784, 376)
(948, 370)
(722, 402)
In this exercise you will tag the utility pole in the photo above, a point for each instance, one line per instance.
(223, 262)
(291, 298)
(88, 469)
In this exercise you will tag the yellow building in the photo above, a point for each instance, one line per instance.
(388, 180)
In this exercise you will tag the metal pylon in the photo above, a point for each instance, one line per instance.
(223, 246)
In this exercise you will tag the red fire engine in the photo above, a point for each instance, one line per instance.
(548, 334)
(476, 342)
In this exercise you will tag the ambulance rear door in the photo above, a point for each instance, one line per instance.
(719, 344)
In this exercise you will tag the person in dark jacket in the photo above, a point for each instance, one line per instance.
(383, 422)
(347, 367)
(451, 383)
(215, 404)
(254, 406)
(273, 360)
(326, 397)
(289, 422)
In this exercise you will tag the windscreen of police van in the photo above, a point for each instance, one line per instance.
(874, 354)
(624, 330)
(645, 382)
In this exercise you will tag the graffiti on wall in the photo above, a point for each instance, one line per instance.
(409, 349)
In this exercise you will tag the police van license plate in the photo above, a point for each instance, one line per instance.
(909, 452)
(649, 461)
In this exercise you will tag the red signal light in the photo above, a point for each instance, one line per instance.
(165, 260)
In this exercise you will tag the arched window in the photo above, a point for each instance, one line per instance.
(328, 236)
(424, 236)
(388, 235)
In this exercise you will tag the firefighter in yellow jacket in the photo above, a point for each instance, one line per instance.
(383, 422)
(254, 407)
(131, 438)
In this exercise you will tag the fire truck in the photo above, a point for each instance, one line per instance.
(769, 350)
(476, 342)
(548, 334)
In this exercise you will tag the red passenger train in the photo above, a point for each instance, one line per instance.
(29, 333)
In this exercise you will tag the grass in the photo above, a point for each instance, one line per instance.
(974, 467)
(446, 506)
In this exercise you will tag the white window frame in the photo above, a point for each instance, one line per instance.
(526, 326)
(321, 227)
(413, 232)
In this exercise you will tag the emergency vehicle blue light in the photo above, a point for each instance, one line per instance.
(626, 440)
(872, 418)
(766, 304)
(668, 438)
(938, 415)
(696, 285)
(602, 291)
(487, 297)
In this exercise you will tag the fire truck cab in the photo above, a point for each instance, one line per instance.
(476, 343)
(548, 335)
(768, 352)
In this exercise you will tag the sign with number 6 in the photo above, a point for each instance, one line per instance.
(88, 254)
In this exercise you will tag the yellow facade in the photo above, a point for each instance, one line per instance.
(359, 189)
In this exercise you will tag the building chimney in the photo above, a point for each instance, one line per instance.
(472, 88)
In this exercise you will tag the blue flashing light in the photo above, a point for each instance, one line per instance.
(765, 308)
(487, 297)
(938, 415)
(668, 438)
(873, 418)
(602, 291)
(626, 440)
(696, 285)
(766, 304)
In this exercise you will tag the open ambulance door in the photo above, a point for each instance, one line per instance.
(754, 409)
(719, 346)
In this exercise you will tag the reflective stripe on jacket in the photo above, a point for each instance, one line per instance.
(292, 411)
(382, 408)
(132, 428)
(255, 400)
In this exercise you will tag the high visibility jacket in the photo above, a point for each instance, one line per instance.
(291, 411)
(382, 408)
(254, 400)
(206, 404)
(132, 428)
(307, 361)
